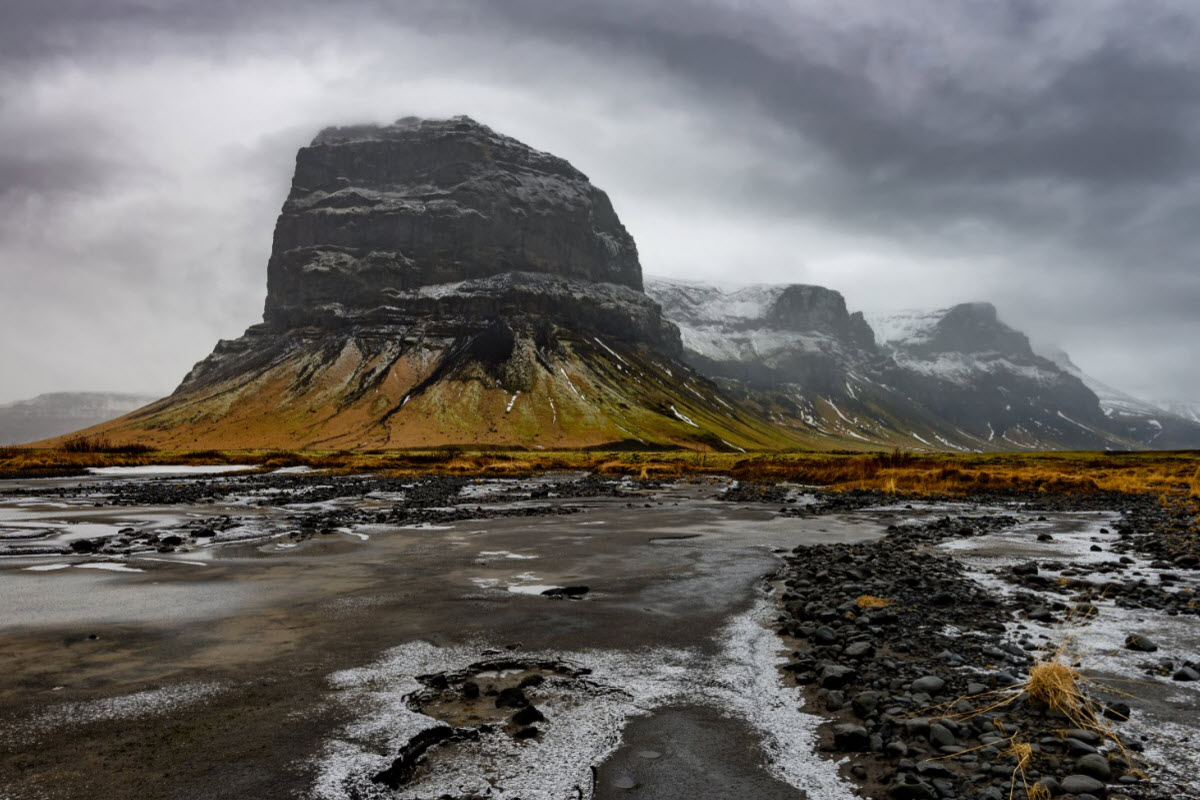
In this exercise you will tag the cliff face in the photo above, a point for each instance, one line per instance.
(433, 282)
(377, 212)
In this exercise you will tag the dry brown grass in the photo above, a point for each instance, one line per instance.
(1174, 477)
(871, 601)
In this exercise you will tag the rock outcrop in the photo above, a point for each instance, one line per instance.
(377, 212)
(433, 282)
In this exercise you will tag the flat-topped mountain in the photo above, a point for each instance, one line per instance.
(376, 212)
(433, 282)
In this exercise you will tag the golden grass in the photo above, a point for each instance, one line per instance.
(1059, 687)
(1174, 477)
(871, 601)
(1038, 792)
(1022, 753)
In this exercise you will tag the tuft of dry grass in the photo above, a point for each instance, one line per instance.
(1059, 687)
(871, 601)
(1039, 792)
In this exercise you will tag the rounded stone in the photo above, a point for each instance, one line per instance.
(930, 684)
(1082, 784)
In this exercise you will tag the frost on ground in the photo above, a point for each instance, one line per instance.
(129, 706)
(1176, 748)
(1168, 726)
(584, 719)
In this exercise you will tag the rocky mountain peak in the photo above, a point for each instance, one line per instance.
(976, 328)
(375, 211)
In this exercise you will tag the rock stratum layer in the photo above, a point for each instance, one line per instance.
(434, 283)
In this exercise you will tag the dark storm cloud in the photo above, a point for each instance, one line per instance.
(1039, 153)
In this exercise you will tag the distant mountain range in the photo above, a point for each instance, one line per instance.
(954, 379)
(62, 412)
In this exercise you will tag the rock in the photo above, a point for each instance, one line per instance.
(835, 676)
(1140, 642)
(835, 700)
(864, 703)
(825, 635)
(1082, 784)
(1186, 674)
(858, 650)
(930, 684)
(567, 592)
(850, 738)
(1094, 766)
(528, 715)
(939, 734)
(1118, 711)
(512, 697)
(910, 787)
(1050, 785)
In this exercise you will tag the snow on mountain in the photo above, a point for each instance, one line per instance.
(910, 326)
(1187, 409)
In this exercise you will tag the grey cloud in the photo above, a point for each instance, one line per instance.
(1045, 148)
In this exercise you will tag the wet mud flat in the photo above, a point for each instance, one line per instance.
(303, 635)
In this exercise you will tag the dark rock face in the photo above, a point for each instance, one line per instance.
(375, 212)
(974, 328)
(801, 307)
(971, 369)
(769, 336)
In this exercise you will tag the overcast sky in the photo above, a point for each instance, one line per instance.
(1040, 154)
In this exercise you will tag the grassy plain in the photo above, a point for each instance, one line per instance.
(1169, 474)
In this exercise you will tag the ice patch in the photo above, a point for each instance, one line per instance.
(109, 566)
(139, 704)
(530, 588)
(169, 469)
(46, 567)
(584, 721)
(505, 554)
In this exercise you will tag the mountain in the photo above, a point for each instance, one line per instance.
(62, 412)
(1150, 425)
(433, 282)
(956, 378)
